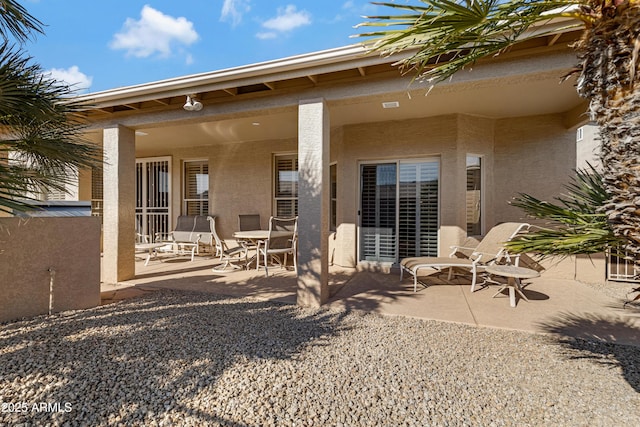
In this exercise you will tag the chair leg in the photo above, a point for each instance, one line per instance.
(473, 279)
(266, 261)
(295, 264)
(450, 276)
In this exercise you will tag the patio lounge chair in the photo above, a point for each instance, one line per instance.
(190, 233)
(490, 250)
(230, 256)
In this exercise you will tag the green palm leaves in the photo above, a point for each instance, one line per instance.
(572, 226)
(41, 144)
(444, 36)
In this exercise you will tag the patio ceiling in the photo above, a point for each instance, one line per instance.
(259, 102)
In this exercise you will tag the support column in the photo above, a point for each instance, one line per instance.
(119, 195)
(313, 203)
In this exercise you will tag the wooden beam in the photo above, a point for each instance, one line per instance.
(232, 91)
(271, 86)
(577, 116)
(313, 79)
(362, 71)
(553, 39)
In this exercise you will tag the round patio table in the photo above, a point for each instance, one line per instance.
(150, 248)
(513, 275)
(258, 236)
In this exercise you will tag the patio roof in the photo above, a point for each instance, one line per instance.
(259, 101)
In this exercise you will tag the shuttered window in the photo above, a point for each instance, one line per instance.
(286, 186)
(196, 188)
(399, 210)
(418, 209)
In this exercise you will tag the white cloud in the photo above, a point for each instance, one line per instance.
(155, 32)
(233, 10)
(266, 35)
(288, 19)
(72, 77)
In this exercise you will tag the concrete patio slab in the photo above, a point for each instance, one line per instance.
(558, 306)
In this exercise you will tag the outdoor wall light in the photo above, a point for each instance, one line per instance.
(192, 104)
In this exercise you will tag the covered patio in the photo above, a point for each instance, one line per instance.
(556, 305)
(375, 170)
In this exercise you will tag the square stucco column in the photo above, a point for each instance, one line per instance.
(119, 192)
(313, 203)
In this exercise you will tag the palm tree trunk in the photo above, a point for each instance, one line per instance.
(610, 78)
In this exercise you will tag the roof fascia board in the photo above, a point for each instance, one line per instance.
(314, 63)
(488, 73)
(331, 60)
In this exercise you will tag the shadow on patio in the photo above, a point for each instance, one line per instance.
(556, 306)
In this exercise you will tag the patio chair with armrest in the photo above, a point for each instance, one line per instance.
(249, 222)
(490, 250)
(282, 240)
(190, 232)
(230, 256)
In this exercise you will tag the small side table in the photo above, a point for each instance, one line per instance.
(150, 248)
(513, 275)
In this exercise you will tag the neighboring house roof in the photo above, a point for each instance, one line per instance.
(56, 208)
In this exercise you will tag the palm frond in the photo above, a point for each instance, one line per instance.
(42, 139)
(572, 226)
(17, 21)
(443, 36)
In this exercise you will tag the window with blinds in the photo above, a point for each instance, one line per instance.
(418, 209)
(399, 210)
(474, 194)
(286, 186)
(196, 188)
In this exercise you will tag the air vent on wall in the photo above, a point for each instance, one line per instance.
(391, 104)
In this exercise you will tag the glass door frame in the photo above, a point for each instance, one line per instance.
(397, 162)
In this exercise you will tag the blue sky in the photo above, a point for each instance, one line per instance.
(101, 45)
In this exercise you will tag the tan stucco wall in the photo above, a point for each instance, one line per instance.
(30, 249)
(584, 268)
(528, 154)
(533, 155)
(240, 179)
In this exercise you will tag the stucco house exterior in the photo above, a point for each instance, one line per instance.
(377, 166)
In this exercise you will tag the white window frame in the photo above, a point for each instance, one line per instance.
(184, 200)
(398, 162)
(482, 190)
(294, 199)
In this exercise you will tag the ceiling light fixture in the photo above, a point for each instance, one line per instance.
(192, 104)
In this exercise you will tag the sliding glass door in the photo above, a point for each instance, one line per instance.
(398, 210)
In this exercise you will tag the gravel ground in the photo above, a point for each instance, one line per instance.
(179, 358)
